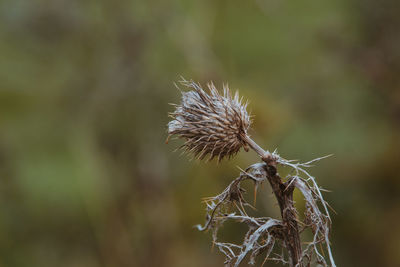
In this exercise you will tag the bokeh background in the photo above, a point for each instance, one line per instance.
(86, 178)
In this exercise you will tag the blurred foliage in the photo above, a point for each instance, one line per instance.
(85, 176)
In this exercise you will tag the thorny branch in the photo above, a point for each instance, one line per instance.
(263, 232)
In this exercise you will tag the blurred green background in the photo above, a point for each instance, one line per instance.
(86, 178)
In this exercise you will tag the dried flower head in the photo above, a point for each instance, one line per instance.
(211, 123)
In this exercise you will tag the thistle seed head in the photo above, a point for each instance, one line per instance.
(212, 124)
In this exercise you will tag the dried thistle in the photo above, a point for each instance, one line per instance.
(211, 123)
(217, 125)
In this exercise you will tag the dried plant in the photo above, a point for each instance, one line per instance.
(216, 125)
(212, 123)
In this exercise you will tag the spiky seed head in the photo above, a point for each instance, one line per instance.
(211, 123)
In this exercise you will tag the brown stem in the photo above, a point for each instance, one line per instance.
(284, 194)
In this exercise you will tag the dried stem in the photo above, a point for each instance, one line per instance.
(261, 152)
(284, 195)
(265, 232)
